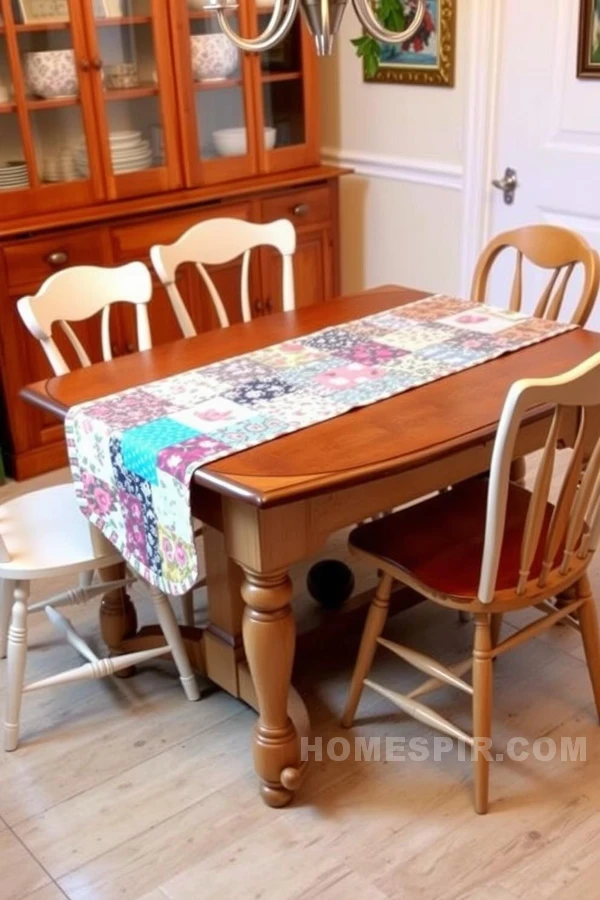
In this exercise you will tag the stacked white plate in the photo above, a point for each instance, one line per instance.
(13, 175)
(129, 153)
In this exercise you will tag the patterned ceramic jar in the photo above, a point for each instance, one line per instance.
(213, 57)
(51, 73)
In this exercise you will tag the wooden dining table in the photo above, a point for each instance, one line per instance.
(274, 505)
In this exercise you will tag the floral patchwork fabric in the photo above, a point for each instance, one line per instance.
(133, 454)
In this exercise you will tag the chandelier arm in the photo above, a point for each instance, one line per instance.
(373, 26)
(274, 32)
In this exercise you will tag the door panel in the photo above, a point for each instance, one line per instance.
(548, 129)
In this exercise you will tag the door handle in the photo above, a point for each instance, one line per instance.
(508, 185)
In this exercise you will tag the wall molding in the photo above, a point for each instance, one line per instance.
(480, 132)
(397, 168)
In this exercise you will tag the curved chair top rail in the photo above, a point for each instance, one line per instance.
(548, 247)
(218, 241)
(80, 292)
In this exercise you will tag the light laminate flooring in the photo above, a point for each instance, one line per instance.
(123, 790)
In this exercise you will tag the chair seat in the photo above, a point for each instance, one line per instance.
(44, 531)
(439, 542)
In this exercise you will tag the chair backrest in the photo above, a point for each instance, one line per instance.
(548, 247)
(556, 540)
(217, 241)
(79, 293)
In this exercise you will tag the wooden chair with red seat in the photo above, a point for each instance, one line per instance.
(492, 547)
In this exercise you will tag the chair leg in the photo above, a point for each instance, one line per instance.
(482, 709)
(15, 668)
(7, 589)
(376, 617)
(170, 629)
(588, 623)
(187, 609)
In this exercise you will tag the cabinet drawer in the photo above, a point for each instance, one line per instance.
(31, 262)
(302, 207)
(134, 241)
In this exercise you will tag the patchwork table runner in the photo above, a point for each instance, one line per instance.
(133, 454)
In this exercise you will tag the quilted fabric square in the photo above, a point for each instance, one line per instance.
(483, 320)
(289, 355)
(373, 353)
(133, 407)
(213, 415)
(185, 391)
(178, 459)
(250, 393)
(141, 444)
(332, 339)
(347, 376)
(239, 369)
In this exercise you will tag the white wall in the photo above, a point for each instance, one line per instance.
(401, 213)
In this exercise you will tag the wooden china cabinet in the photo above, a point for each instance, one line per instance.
(77, 201)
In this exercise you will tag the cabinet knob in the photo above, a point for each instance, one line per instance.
(259, 306)
(301, 209)
(131, 348)
(269, 306)
(84, 65)
(97, 63)
(57, 258)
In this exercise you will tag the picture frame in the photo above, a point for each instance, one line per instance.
(588, 60)
(429, 58)
(55, 10)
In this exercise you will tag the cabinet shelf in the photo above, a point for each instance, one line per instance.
(217, 85)
(7, 107)
(210, 14)
(274, 77)
(54, 103)
(146, 90)
(31, 27)
(123, 20)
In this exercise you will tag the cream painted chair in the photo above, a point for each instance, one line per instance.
(212, 243)
(217, 241)
(490, 548)
(43, 534)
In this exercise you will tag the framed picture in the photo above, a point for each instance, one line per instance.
(428, 57)
(55, 10)
(589, 39)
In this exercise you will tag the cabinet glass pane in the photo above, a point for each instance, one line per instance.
(283, 100)
(49, 66)
(128, 62)
(219, 92)
(284, 111)
(221, 123)
(6, 85)
(13, 168)
(59, 142)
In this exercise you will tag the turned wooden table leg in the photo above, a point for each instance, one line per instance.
(269, 641)
(118, 619)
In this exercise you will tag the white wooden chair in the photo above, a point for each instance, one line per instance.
(217, 241)
(211, 243)
(490, 548)
(43, 533)
(79, 293)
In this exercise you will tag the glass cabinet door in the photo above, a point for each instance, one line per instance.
(215, 91)
(287, 98)
(46, 109)
(135, 98)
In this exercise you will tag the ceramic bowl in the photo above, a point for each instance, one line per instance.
(213, 57)
(51, 73)
(233, 141)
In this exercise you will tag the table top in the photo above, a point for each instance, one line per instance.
(385, 438)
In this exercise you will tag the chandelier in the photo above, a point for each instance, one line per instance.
(323, 18)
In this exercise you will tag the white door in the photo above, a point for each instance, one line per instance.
(547, 129)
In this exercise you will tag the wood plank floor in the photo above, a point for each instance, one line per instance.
(123, 789)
